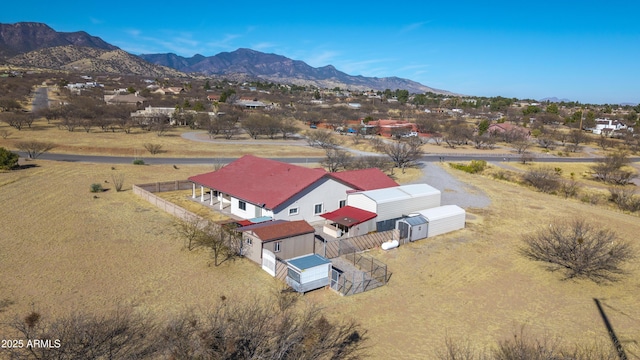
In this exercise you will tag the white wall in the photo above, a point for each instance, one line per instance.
(395, 209)
(314, 273)
(326, 191)
(361, 201)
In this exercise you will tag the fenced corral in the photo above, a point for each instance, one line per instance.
(338, 247)
(356, 272)
(145, 191)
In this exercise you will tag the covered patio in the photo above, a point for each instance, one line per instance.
(348, 221)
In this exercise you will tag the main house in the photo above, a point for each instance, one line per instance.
(253, 187)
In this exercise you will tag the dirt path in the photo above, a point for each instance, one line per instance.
(454, 191)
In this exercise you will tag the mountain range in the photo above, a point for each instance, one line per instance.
(31, 44)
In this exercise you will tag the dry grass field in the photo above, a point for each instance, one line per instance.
(62, 250)
(97, 142)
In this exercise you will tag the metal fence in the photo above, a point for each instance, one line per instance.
(370, 274)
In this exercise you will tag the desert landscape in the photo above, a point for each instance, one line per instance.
(67, 251)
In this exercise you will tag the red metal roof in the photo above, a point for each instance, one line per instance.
(260, 181)
(365, 179)
(275, 230)
(349, 216)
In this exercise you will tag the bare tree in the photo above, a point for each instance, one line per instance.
(5, 133)
(609, 169)
(191, 230)
(288, 126)
(576, 137)
(404, 153)
(546, 141)
(35, 148)
(221, 241)
(121, 334)
(366, 162)
(336, 159)
(580, 248)
(262, 330)
(604, 142)
(15, 119)
(521, 146)
(321, 138)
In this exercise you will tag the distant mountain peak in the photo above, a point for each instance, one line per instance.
(278, 68)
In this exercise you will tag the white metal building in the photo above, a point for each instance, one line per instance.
(391, 204)
(443, 219)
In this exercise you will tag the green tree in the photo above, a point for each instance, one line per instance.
(131, 90)
(402, 95)
(8, 160)
(531, 109)
(553, 109)
(483, 127)
(207, 85)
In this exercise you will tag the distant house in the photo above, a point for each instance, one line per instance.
(170, 90)
(128, 99)
(608, 126)
(252, 187)
(250, 104)
(502, 128)
(285, 239)
(390, 128)
(213, 97)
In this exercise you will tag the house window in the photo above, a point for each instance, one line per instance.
(242, 205)
(293, 211)
(317, 209)
(276, 246)
(249, 241)
(342, 203)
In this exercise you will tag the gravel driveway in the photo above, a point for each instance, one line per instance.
(454, 191)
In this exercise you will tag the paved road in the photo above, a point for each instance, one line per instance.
(40, 99)
(294, 160)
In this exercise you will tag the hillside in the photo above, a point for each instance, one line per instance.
(91, 60)
(24, 37)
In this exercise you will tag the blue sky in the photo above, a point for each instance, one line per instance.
(586, 51)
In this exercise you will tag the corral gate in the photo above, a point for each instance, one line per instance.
(269, 262)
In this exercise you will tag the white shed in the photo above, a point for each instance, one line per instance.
(308, 272)
(390, 204)
(443, 219)
(412, 228)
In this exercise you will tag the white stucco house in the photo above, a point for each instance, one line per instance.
(253, 187)
(608, 126)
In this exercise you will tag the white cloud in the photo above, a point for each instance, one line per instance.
(412, 27)
(262, 46)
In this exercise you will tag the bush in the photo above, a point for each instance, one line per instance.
(96, 187)
(8, 160)
(544, 179)
(138, 162)
(474, 167)
(625, 199)
(580, 249)
(153, 148)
